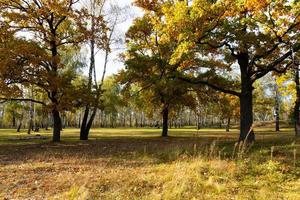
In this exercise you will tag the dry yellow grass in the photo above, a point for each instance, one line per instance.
(133, 165)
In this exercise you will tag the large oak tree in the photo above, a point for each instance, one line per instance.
(36, 59)
(218, 39)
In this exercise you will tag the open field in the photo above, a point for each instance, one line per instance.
(138, 164)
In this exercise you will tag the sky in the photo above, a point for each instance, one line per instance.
(114, 65)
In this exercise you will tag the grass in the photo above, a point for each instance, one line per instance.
(139, 164)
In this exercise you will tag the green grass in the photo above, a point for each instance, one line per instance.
(139, 164)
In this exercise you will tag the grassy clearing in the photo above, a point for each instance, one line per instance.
(138, 164)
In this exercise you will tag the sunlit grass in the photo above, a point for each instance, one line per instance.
(66, 134)
(133, 163)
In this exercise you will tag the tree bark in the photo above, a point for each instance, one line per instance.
(141, 119)
(198, 122)
(136, 120)
(246, 119)
(13, 121)
(19, 127)
(83, 134)
(277, 128)
(246, 100)
(30, 125)
(31, 113)
(228, 124)
(165, 113)
(57, 125)
(297, 103)
(83, 129)
(130, 119)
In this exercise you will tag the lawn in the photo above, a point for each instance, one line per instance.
(139, 164)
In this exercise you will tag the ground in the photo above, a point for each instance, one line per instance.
(139, 164)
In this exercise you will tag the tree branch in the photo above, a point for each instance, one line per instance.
(16, 99)
(215, 87)
(264, 69)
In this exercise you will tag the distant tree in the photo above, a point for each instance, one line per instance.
(147, 62)
(111, 99)
(229, 108)
(97, 31)
(105, 38)
(13, 113)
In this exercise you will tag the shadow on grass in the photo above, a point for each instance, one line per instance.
(113, 148)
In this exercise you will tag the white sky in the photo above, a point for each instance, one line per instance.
(114, 65)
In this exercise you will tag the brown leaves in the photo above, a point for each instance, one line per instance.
(151, 5)
(51, 27)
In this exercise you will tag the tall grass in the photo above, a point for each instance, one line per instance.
(209, 166)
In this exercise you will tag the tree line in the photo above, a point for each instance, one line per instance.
(180, 56)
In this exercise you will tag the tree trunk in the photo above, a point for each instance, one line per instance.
(136, 120)
(198, 122)
(20, 120)
(141, 120)
(19, 127)
(83, 128)
(30, 125)
(83, 134)
(124, 119)
(13, 121)
(297, 103)
(165, 113)
(111, 121)
(46, 125)
(228, 124)
(130, 119)
(246, 119)
(31, 113)
(56, 125)
(277, 128)
(246, 100)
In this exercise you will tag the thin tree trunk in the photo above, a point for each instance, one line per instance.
(198, 122)
(124, 119)
(13, 121)
(31, 113)
(47, 122)
(277, 105)
(141, 120)
(30, 125)
(83, 134)
(297, 103)
(130, 119)
(83, 128)
(21, 120)
(165, 113)
(228, 124)
(79, 120)
(90, 122)
(111, 120)
(136, 120)
(57, 124)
